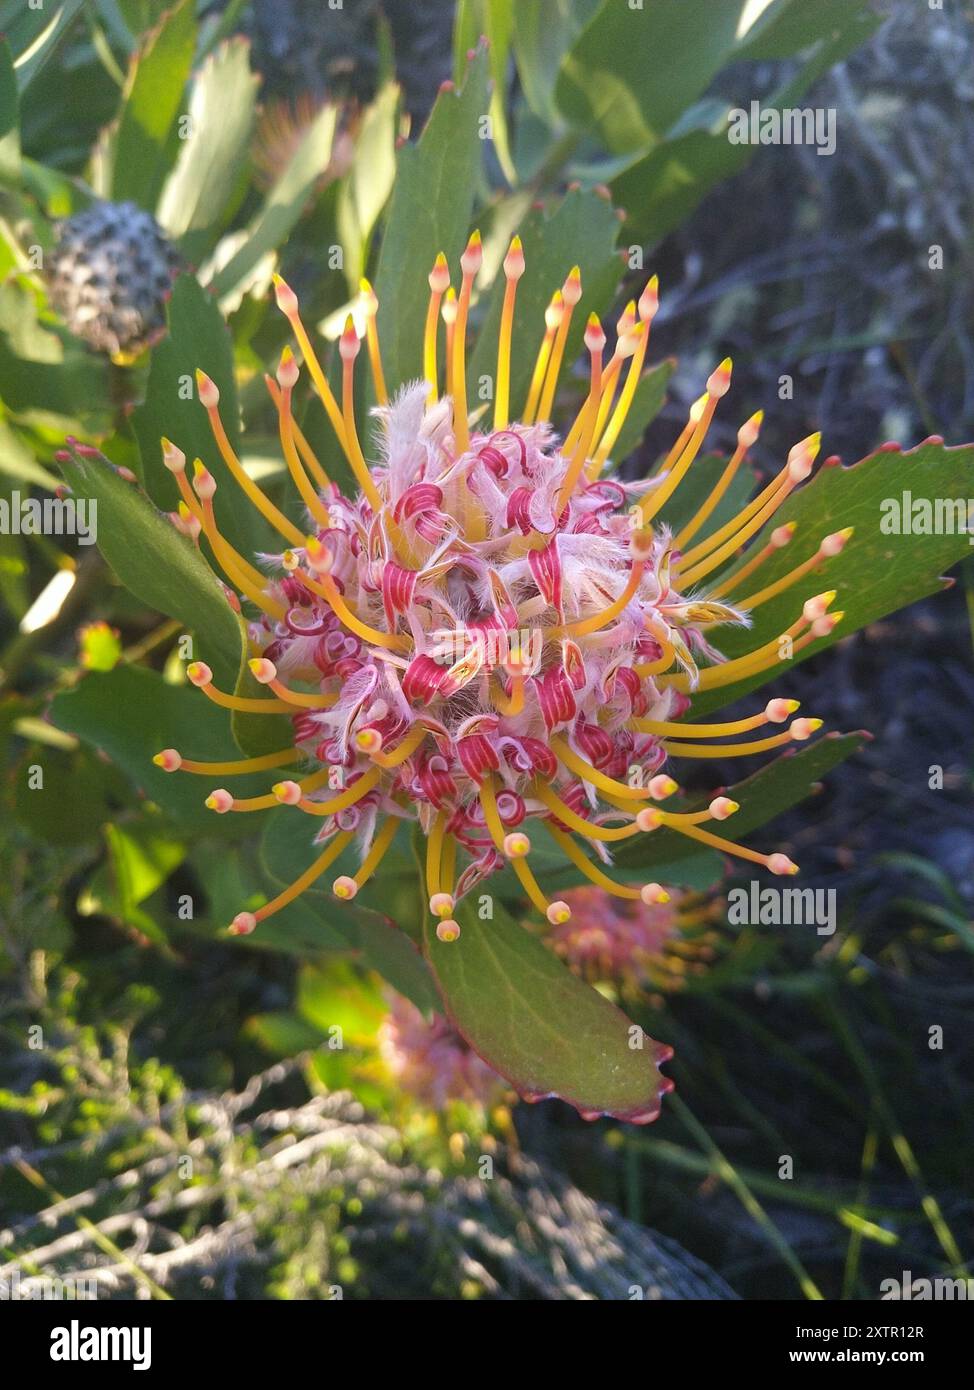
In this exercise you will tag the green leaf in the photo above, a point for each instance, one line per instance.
(46, 376)
(876, 573)
(581, 231)
(540, 1026)
(431, 206)
(34, 33)
(495, 19)
(18, 461)
(197, 338)
(159, 566)
(9, 116)
(204, 189)
(131, 714)
(77, 795)
(768, 792)
(283, 205)
(788, 26)
(150, 104)
(141, 856)
(661, 187)
(365, 189)
(544, 31)
(631, 73)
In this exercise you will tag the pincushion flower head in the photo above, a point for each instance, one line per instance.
(492, 632)
(432, 1063)
(633, 945)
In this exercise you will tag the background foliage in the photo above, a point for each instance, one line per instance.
(814, 1048)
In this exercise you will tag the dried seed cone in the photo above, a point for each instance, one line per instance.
(109, 276)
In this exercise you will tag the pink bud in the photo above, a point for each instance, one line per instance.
(207, 391)
(718, 382)
(287, 371)
(287, 300)
(243, 924)
(781, 864)
(653, 894)
(263, 671)
(198, 673)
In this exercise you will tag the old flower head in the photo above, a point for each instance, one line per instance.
(492, 632)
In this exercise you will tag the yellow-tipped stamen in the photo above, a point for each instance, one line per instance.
(830, 546)
(241, 574)
(578, 823)
(492, 819)
(175, 460)
(209, 397)
(287, 375)
(237, 767)
(371, 304)
(371, 861)
(670, 481)
(571, 293)
(763, 658)
(283, 793)
(796, 469)
(403, 750)
(628, 333)
(308, 456)
(287, 302)
(742, 750)
(513, 270)
(591, 872)
(434, 853)
(349, 349)
(470, 263)
(265, 672)
(245, 922)
(746, 438)
(439, 283)
(222, 801)
(584, 769)
(648, 303)
(775, 712)
(552, 318)
(327, 589)
(449, 315)
(691, 574)
(448, 864)
(780, 537)
(775, 862)
(513, 847)
(595, 342)
(201, 676)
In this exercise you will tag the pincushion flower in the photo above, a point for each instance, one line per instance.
(637, 946)
(432, 1062)
(492, 632)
